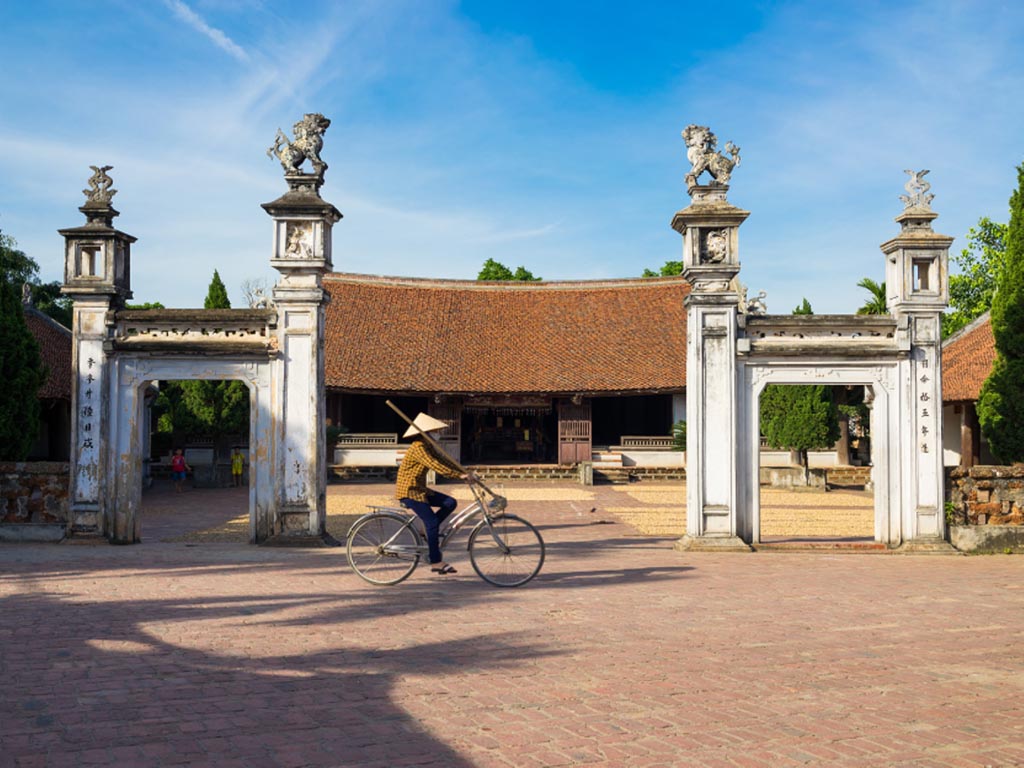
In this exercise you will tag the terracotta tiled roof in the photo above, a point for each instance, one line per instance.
(55, 349)
(967, 358)
(463, 336)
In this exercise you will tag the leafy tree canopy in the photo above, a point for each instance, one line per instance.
(495, 270)
(668, 269)
(980, 264)
(1001, 403)
(21, 375)
(18, 268)
(145, 305)
(875, 304)
(804, 309)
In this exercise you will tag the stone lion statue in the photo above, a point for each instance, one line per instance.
(702, 152)
(308, 142)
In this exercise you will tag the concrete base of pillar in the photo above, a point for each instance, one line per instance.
(711, 544)
(303, 540)
(927, 547)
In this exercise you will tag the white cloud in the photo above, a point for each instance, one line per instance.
(194, 20)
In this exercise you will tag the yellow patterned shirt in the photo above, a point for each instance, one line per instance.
(412, 474)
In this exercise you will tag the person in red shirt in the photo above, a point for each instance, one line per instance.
(178, 468)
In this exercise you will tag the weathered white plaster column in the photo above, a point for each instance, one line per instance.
(710, 229)
(917, 282)
(97, 277)
(302, 254)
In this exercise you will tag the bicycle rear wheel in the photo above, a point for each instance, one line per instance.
(518, 557)
(382, 549)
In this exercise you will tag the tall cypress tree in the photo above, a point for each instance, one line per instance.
(214, 408)
(21, 375)
(799, 417)
(217, 294)
(1001, 403)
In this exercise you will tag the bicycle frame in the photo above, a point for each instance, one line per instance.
(480, 505)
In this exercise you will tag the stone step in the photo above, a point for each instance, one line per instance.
(821, 545)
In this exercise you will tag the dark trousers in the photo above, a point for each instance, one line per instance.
(432, 520)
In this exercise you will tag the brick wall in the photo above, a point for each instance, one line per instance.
(33, 492)
(987, 495)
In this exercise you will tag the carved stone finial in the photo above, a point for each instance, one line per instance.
(99, 192)
(702, 152)
(917, 188)
(306, 145)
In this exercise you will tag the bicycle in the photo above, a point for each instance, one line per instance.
(385, 545)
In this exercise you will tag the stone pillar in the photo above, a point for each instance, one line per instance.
(917, 283)
(97, 277)
(710, 228)
(302, 254)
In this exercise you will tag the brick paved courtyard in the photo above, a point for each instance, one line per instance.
(623, 652)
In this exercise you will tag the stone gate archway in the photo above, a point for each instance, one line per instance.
(734, 350)
(275, 348)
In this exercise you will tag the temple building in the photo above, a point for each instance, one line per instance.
(523, 372)
(967, 359)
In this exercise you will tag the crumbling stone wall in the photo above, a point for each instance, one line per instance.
(34, 492)
(987, 495)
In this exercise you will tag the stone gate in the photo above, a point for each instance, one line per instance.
(276, 350)
(734, 351)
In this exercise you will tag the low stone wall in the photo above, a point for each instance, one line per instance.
(792, 477)
(33, 495)
(986, 495)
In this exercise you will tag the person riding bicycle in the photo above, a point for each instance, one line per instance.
(411, 488)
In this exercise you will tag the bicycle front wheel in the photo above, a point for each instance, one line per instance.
(383, 549)
(507, 552)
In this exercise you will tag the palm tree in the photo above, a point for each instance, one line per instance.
(875, 305)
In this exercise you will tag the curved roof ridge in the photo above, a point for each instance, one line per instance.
(468, 284)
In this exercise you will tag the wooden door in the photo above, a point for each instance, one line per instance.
(573, 433)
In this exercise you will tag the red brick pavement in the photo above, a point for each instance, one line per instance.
(622, 652)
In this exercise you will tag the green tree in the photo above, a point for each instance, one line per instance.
(19, 268)
(679, 436)
(21, 375)
(16, 266)
(1001, 403)
(875, 304)
(799, 418)
(524, 275)
(980, 265)
(213, 408)
(217, 295)
(495, 270)
(48, 299)
(668, 269)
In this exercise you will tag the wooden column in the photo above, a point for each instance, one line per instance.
(970, 436)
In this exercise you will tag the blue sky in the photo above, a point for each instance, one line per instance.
(544, 134)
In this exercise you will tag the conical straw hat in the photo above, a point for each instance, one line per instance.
(425, 424)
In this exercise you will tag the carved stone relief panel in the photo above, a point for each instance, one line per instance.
(299, 240)
(714, 246)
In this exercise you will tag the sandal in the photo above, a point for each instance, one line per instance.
(443, 569)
